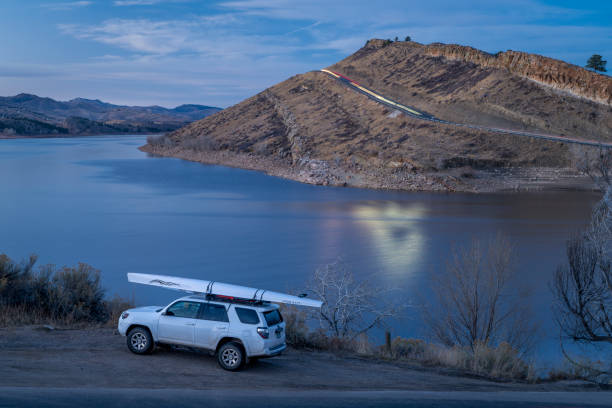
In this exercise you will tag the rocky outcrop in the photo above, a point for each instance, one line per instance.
(547, 71)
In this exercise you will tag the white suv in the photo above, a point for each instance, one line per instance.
(234, 330)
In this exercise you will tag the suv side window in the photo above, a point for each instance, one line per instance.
(247, 316)
(184, 309)
(214, 312)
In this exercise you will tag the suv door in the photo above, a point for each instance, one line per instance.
(211, 325)
(177, 323)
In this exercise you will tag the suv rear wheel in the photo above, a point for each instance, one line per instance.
(140, 341)
(231, 356)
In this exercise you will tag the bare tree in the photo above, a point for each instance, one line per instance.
(583, 286)
(350, 307)
(476, 302)
(583, 290)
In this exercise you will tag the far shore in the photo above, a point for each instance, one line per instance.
(508, 180)
(68, 136)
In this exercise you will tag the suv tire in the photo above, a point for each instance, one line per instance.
(140, 341)
(231, 356)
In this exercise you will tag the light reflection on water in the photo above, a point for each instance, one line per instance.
(395, 233)
(99, 200)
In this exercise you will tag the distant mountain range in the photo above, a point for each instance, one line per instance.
(31, 115)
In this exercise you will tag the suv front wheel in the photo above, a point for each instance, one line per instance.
(231, 356)
(140, 341)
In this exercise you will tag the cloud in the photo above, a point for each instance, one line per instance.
(145, 2)
(137, 35)
(210, 35)
(67, 5)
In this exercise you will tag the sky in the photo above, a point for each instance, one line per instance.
(171, 52)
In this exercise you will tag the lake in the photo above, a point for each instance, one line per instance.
(101, 201)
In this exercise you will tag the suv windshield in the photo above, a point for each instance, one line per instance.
(273, 317)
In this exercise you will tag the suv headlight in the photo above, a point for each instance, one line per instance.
(124, 315)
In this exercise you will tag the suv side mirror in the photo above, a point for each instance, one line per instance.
(169, 313)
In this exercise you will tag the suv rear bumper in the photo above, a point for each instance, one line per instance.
(272, 351)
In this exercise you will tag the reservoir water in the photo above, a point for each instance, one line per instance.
(101, 201)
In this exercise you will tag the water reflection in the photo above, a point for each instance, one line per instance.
(396, 233)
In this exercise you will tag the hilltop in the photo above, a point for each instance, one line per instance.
(313, 129)
(31, 115)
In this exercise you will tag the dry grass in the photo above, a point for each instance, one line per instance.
(502, 363)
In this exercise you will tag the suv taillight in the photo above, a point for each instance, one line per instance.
(124, 315)
(263, 332)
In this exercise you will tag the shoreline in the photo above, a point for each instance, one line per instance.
(319, 172)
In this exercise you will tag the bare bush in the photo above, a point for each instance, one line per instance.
(476, 303)
(349, 308)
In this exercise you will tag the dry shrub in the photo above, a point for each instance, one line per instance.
(300, 336)
(50, 295)
(115, 307)
(501, 363)
(409, 349)
(570, 371)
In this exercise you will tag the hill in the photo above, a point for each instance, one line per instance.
(314, 129)
(27, 114)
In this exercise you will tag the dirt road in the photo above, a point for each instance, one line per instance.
(55, 367)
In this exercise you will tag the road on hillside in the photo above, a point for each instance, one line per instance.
(418, 114)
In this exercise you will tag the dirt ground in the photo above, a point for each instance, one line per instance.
(34, 357)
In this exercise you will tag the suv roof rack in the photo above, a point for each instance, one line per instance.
(231, 299)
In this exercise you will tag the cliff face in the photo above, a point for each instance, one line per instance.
(547, 71)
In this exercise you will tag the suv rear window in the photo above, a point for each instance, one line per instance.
(273, 317)
(247, 316)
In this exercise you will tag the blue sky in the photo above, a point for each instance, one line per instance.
(169, 52)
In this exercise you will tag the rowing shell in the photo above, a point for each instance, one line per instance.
(219, 289)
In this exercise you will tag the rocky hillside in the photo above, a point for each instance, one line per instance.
(26, 114)
(312, 128)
